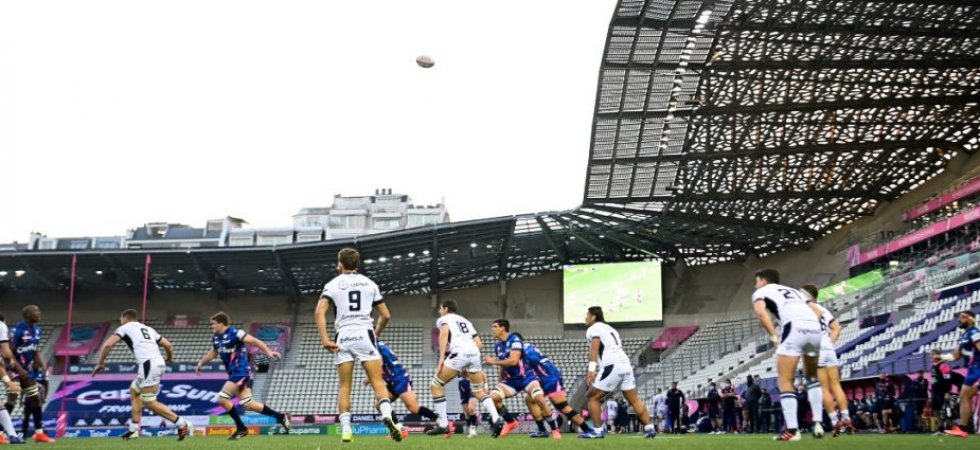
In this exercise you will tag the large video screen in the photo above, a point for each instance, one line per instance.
(627, 292)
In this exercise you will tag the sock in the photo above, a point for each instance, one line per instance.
(8, 425)
(788, 401)
(649, 427)
(440, 404)
(427, 413)
(233, 412)
(585, 427)
(552, 424)
(833, 419)
(25, 422)
(384, 407)
(488, 405)
(267, 411)
(508, 417)
(181, 423)
(815, 394)
(394, 419)
(345, 421)
(845, 415)
(540, 424)
(134, 427)
(38, 419)
(471, 420)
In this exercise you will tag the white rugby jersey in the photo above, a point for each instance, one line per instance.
(354, 297)
(461, 333)
(4, 333)
(786, 303)
(142, 340)
(826, 318)
(610, 345)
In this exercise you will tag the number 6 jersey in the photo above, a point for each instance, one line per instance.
(142, 340)
(353, 296)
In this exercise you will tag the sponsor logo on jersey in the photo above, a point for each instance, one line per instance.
(352, 339)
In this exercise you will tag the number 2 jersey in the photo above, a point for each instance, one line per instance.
(230, 346)
(786, 304)
(142, 340)
(610, 345)
(353, 296)
(461, 334)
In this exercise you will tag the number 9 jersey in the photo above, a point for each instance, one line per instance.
(354, 297)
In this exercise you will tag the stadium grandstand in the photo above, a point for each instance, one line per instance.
(833, 141)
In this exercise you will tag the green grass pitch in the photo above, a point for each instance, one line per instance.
(419, 442)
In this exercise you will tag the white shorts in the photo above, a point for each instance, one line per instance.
(615, 377)
(148, 374)
(357, 345)
(828, 358)
(469, 362)
(800, 338)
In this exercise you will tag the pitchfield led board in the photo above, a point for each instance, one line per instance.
(629, 292)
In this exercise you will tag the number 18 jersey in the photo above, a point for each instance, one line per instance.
(353, 296)
(461, 334)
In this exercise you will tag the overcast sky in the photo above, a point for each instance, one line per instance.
(117, 113)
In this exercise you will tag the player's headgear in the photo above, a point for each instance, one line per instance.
(770, 275)
(129, 314)
(221, 317)
(969, 313)
(596, 311)
(349, 258)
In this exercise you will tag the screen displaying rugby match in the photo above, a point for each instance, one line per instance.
(627, 292)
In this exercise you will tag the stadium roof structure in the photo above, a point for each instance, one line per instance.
(722, 129)
(732, 128)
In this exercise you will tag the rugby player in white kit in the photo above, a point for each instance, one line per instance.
(828, 367)
(459, 350)
(354, 296)
(799, 336)
(609, 371)
(145, 344)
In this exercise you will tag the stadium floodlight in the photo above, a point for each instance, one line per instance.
(368, 261)
(180, 270)
(473, 245)
(425, 252)
(602, 236)
(3, 273)
(98, 272)
(396, 257)
(382, 259)
(19, 273)
(411, 255)
(489, 246)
